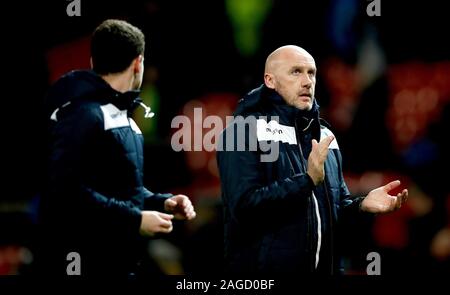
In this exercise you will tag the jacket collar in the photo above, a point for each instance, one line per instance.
(289, 113)
(128, 100)
(87, 85)
(268, 101)
(125, 101)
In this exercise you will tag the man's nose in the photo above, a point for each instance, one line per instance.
(306, 81)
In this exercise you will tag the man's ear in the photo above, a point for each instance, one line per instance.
(90, 61)
(138, 63)
(269, 80)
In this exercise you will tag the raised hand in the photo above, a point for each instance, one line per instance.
(317, 157)
(379, 200)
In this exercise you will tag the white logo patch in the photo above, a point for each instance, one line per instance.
(324, 132)
(275, 131)
(113, 117)
(135, 127)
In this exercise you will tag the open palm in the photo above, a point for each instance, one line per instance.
(379, 200)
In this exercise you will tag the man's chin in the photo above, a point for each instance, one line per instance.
(304, 106)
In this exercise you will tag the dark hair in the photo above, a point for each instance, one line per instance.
(114, 45)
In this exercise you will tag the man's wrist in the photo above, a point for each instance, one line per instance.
(360, 202)
(310, 180)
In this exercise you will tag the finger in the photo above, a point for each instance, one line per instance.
(393, 203)
(180, 198)
(165, 216)
(314, 144)
(402, 197)
(171, 202)
(166, 229)
(405, 195)
(391, 185)
(188, 208)
(327, 141)
(186, 202)
(191, 215)
(398, 201)
(165, 224)
(186, 212)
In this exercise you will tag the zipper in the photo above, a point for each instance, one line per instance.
(315, 213)
(325, 186)
(331, 224)
(319, 230)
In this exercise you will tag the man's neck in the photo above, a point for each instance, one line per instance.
(120, 82)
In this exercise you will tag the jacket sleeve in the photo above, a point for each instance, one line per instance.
(245, 190)
(72, 139)
(155, 201)
(348, 203)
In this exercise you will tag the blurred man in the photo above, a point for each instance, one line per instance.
(95, 203)
(281, 215)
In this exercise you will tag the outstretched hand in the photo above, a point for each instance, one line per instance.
(379, 200)
(180, 206)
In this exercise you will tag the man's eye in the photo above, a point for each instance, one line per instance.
(296, 71)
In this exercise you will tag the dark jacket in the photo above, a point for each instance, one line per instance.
(94, 189)
(275, 218)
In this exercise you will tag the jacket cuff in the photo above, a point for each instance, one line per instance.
(136, 218)
(304, 182)
(156, 202)
(311, 182)
(356, 204)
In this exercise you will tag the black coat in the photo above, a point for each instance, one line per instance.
(94, 177)
(274, 216)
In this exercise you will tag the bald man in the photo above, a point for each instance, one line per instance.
(281, 215)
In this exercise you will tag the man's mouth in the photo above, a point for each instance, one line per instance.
(306, 96)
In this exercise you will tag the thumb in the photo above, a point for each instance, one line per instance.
(314, 144)
(391, 185)
(165, 216)
(171, 202)
(327, 140)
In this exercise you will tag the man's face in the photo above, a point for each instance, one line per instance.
(294, 78)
